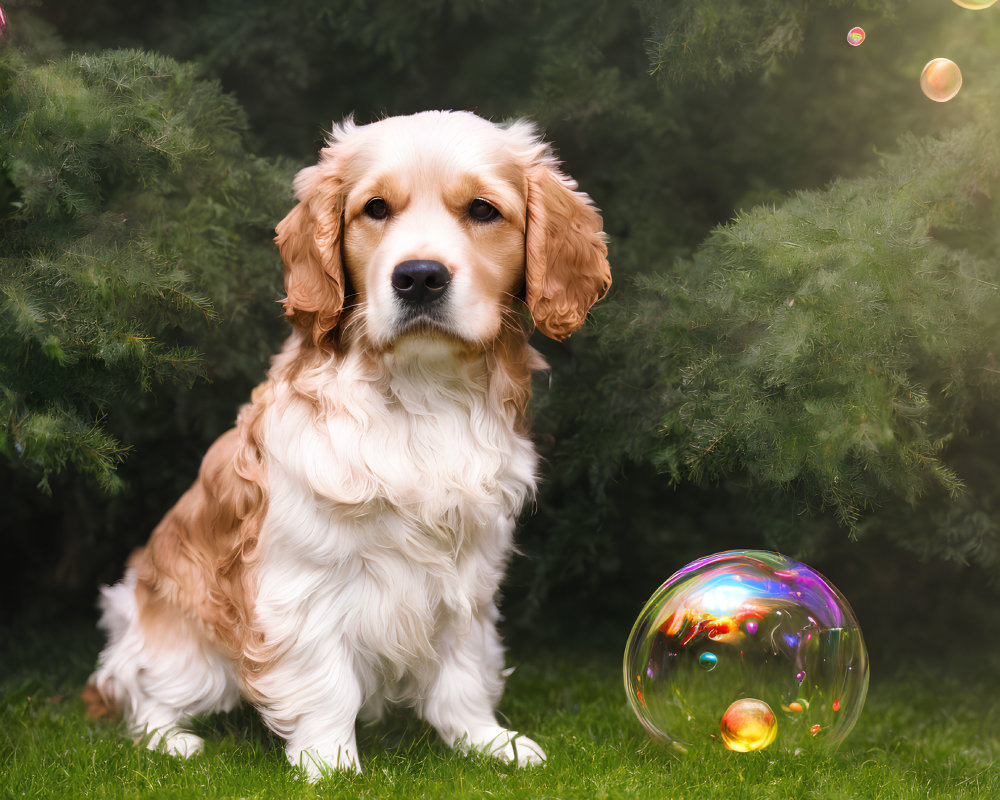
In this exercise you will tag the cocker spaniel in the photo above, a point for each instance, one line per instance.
(342, 546)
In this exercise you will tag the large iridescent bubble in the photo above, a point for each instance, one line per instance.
(748, 648)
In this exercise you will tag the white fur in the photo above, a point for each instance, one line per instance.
(393, 496)
(386, 537)
(160, 684)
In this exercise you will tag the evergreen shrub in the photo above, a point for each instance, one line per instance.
(128, 199)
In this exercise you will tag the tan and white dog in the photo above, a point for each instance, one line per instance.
(343, 545)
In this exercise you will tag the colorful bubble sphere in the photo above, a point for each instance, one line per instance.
(974, 5)
(941, 79)
(855, 36)
(748, 725)
(749, 649)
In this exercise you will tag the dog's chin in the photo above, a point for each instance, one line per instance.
(429, 334)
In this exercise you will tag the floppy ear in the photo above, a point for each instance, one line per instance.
(566, 251)
(309, 242)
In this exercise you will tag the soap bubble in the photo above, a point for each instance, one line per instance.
(974, 5)
(708, 660)
(747, 725)
(856, 36)
(941, 79)
(697, 670)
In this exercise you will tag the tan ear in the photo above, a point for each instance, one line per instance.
(566, 252)
(309, 241)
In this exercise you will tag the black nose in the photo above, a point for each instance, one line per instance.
(420, 281)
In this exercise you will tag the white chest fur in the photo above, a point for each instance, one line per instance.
(392, 499)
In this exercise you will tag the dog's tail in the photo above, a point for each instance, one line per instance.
(105, 694)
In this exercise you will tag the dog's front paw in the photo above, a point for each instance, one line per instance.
(508, 746)
(175, 742)
(323, 762)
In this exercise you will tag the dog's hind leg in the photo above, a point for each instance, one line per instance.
(158, 669)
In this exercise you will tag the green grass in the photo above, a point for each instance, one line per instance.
(930, 729)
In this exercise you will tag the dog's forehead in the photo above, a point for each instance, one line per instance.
(435, 145)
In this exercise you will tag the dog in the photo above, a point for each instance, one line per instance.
(342, 547)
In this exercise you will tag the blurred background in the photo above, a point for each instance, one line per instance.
(799, 351)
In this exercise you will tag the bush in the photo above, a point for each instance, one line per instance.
(129, 200)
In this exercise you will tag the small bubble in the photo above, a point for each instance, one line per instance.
(748, 725)
(940, 80)
(856, 36)
(708, 661)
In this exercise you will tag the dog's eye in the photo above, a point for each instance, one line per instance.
(377, 208)
(481, 211)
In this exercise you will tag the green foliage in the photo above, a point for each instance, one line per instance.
(835, 352)
(721, 40)
(837, 343)
(126, 194)
(763, 414)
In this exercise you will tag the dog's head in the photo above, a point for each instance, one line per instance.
(439, 221)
